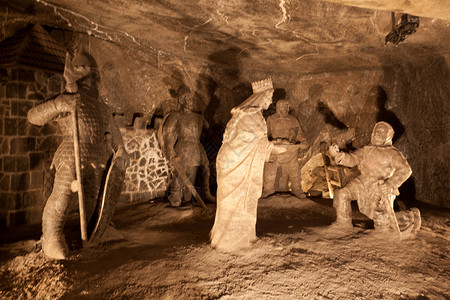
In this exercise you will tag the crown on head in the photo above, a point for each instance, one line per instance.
(261, 86)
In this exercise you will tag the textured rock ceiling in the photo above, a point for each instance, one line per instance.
(304, 36)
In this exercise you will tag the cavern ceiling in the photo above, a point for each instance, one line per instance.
(304, 37)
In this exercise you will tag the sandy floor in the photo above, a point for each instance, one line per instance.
(165, 254)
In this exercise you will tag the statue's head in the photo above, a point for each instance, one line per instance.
(82, 65)
(259, 100)
(264, 91)
(382, 134)
(283, 107)
(185, 98)
(189, 103)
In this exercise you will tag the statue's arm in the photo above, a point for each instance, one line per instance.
(117, 143)
(48, 111)
(402, 170)
(170, 134)
(269, 128)
(350, 159)
(116, 136)
(205, 123)
(300, 135)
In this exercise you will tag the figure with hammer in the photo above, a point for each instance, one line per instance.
(383, 169)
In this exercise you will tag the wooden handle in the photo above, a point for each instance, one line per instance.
(76, 146)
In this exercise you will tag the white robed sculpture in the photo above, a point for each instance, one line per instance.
(240, 166)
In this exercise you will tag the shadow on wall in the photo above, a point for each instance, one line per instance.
(386, 115)
(234, 90)
(278, 94)
(176, 82)
(212, 137)
(315, 109)
(329, 116)
(207, 86)
(307, 112)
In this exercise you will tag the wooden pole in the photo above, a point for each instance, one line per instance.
(76, 146)
(389, 207)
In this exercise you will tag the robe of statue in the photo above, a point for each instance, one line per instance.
(240, 166)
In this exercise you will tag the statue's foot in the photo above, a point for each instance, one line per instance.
(417, 219)
(409, 222)
(55, 248)
(314, 194)
(187, 197)
(175, 200)
(267, 193)
(110, 234)
(341, 225)
(209, 198)
(185, 205)
(300, 195)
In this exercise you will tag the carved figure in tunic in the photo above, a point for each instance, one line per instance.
(284, 129)
(240, 165)
(383, 170)
(181, 137)
(99, 136)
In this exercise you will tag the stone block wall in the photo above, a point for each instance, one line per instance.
(24, 147)
(148, 174)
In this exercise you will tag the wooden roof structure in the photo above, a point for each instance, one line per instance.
(34, 48)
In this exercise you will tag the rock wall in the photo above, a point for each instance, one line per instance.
(420, 97)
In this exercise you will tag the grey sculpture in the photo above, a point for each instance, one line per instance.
(181, 132)
(284, 129)
(383, 170)
(80, 114)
